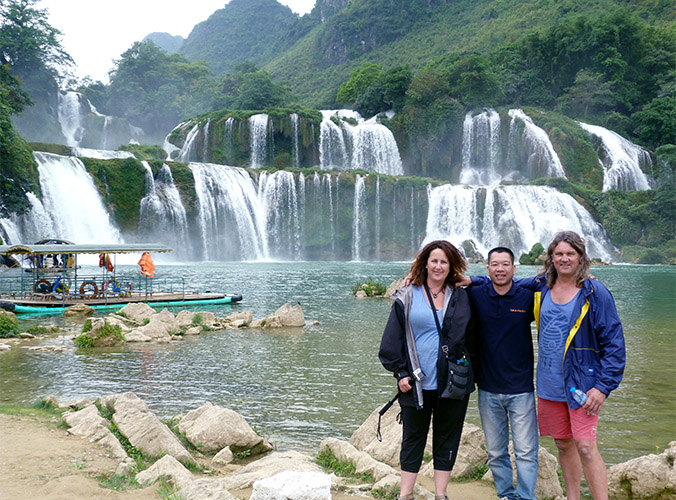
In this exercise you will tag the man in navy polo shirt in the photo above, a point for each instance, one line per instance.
(505, 377)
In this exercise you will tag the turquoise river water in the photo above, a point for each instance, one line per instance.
(300, 386)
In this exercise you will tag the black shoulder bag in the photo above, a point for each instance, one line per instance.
(459, 371)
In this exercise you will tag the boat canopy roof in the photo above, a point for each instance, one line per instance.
(77, 249)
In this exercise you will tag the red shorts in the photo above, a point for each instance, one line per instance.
(557, 420)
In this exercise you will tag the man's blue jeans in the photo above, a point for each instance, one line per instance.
(498, 412)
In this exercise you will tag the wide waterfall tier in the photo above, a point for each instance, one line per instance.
(518, 151)
(71, 206)
(83, 126)
(623, 161)
(347, 141)
(517, 217)
(162, 216)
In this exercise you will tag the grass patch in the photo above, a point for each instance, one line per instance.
(166, 491)
(370, 287)
(25, 411)
(9, 326)
(343, 468)
(474, 475)
(83, 340)
(118, 483)
(387, 492)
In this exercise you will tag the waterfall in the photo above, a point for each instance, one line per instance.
(162, 215)
(332, 218)
(621, 159)
(512, 216)
(377, 217)
(295, 130)
(541, 158)
(358, 216)
(9, 232)
(72, 201)
(258, 127)
(481, 148)
(368, 145)
(101, 154)
(189, 145)
(281, 205)
(70, 117)
(206, 152)
(228, 142)
(231, 218)
(333, 152)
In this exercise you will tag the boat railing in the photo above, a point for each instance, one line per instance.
(73, 288)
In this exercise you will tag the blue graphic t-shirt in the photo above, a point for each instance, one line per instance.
(426, 336)
(554, 328)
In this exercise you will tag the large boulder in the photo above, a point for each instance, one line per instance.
(79, 311)
(246, 317)
(89, 424)
(138, 311)
(212, 428)
(293, 485)
(167, 467)
(145, 432)
(650, 477)
(286, 315)
(364, 463)
(268, 466)
(394, 286)
(103, 333)
(123, 401)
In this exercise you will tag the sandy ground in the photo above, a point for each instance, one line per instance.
(40, 461)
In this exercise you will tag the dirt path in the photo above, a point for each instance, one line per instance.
(40, 461)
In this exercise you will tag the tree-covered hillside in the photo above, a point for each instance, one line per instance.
(244, 30)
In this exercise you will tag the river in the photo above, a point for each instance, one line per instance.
(300, 386)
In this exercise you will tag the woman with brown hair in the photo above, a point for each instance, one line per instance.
(429, 317)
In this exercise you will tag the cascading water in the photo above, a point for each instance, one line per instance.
(101, 154)
(358, 216)
(622, 160)
(72, 201)
(70, 117)
(481, 149)
(162, 208)
(231, 217)
(512, 216)
(295, 147)
(258, 129)
(206, 152)
(541, 159)
(377, 217)
(283, 209)
(368, 145)
(189, 145)
(333, 153)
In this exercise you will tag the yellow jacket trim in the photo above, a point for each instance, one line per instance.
(536, 311)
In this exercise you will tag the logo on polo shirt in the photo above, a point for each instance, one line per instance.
(518, 310)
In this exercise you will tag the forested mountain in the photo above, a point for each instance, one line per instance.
(244, 30)
(165, 41)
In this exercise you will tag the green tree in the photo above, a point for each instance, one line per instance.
(28, 43)
(473, 81)
(258, 91)
(656, 122)
(589, 93)
(395, 84)
(360, 80)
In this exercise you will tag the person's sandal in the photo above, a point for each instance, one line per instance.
(410, 496)
(441, 497)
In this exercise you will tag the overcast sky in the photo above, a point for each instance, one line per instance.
(96, 32)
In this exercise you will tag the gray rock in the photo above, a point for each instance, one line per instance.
(650, 477)
(203, 489)
(223, 457)
(364, 463)
(195, 330)
(119, 402)
(146, 433)
(138, 311)
(286, 315)
(211, 428)
(268, 466)
(245, 316)
(394, 286)
(166, 466)
(293, 485)
(89, 424)
(26, 335)
(79, 311)
(136, 336)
